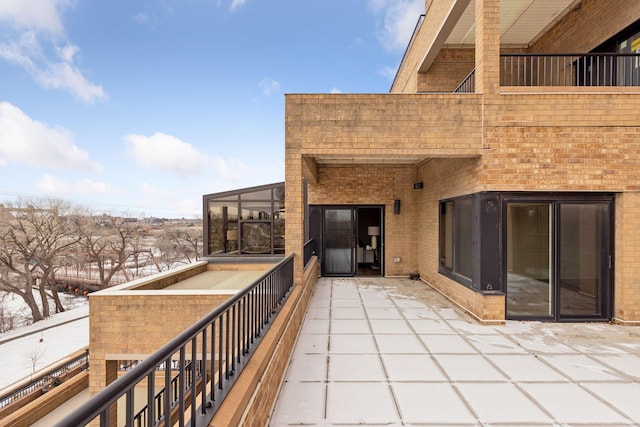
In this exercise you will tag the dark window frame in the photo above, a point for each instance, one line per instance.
(455, 271)
(235, 198)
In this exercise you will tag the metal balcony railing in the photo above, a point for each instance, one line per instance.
(564, 69)
(309, 251)
(221, 343)
(570, 69)
(468, 85)
(44, 380)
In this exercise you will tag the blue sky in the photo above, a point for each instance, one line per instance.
(143, 106)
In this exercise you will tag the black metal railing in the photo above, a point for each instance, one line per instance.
(570, 69)
(45, 379)
(309, 251)
(222, 343)
(141, 418)
(468, 85)
(564, 69)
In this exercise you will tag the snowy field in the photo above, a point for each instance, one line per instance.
(38, 345)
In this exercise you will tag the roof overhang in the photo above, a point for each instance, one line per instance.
(522, 22)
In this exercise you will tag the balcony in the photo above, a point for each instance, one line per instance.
(564, 70)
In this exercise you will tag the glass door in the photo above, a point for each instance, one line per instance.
(584, 259)
(559, 260)
(339, 242)
(529, 261)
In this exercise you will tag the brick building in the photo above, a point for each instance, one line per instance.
(503, 167)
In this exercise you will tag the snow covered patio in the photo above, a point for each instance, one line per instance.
(384, 351)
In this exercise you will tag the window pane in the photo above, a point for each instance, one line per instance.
(257, 195)
(463, 237)
(583, 241)
(256, 238)
(529, 290)
(223, 223)
(446, 235)
(256, 210)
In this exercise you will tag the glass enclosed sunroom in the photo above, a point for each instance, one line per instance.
(245, 222)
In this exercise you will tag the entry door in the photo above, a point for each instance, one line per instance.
(558, 260)
(339, 242)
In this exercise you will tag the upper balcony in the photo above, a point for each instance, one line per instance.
(559, 45)
(619, 70)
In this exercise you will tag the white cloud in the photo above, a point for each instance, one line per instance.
(269, 86)
(397, 21)
(335, 90)
(53, 185)
(27, 141)
(236, 3)
(39, 15)
(165, 152)
(37, 24)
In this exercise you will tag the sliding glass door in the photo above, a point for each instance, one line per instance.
(529, 265)
(584, 258)
(558, 260)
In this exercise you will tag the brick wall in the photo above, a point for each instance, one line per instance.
(374, 184)
(627, 267)
(129, 325)
(588, 25)
(448, 70)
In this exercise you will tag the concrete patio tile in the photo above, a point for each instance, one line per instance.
(399, 344)
(355, 367)
(350, 326)
(623, 396)
(361, 403)
(299, 404)
(383, 313)
(569, 404)
(315, 326)
(447, 344)
(390, 326)
(495, 344)
(353, 344)
(312, 344)
(431, 403)
(318, 313)
(468, 367)
(418, 313)
(501, 403)
(582, 368)
(427, 326)
(320, 302)
(411, 367)
(528, 368)
(347, 313)
(628, 364)
(346, 303)
(308, 367)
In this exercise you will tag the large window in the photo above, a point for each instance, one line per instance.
(456, 238)
(245, 222)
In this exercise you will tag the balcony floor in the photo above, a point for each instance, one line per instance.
(383, 351)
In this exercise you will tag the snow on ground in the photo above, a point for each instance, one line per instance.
(43, 343)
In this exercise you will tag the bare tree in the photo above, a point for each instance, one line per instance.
(33, 237)
(180, 245)
(33, 356)
(109, 243)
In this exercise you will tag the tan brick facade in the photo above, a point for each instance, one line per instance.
(368, 149)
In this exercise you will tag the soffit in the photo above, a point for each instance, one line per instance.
(521, 21)
(378, 160)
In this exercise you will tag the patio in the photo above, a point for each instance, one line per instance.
(386, 351)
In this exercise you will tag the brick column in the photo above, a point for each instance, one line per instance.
(487, 46)
(627, 268)
(294, 200)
